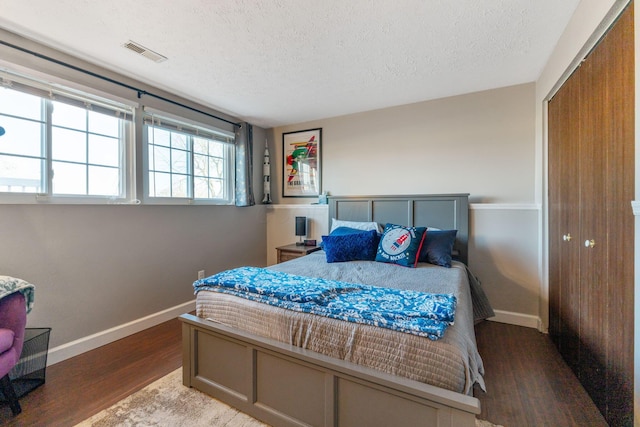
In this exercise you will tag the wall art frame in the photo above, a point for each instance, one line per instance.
(301, 163)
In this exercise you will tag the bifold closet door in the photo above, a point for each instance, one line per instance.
(620, 131)
(607, 223)
(564, 224)
(591, 225)
(592, 238)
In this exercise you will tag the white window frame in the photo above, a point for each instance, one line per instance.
(167, 121)
(55, 92)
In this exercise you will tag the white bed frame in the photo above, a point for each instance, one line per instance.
(284, 385)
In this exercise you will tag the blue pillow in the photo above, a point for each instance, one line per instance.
(351, 247)
(400, 245)
(343, 231)
(437, 247)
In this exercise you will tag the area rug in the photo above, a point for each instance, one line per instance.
(167, 402)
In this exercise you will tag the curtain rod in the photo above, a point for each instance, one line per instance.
(140, 92)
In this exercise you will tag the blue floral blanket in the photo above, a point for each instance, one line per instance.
(417, 313)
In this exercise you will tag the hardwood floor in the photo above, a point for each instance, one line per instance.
(528, 384)
(82, 386)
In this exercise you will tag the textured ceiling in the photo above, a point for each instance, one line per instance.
(288, 61)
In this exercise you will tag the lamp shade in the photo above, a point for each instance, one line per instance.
(301, 226)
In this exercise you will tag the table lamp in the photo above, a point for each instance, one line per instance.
(301, 229)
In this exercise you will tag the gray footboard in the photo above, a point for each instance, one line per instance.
(284, 385)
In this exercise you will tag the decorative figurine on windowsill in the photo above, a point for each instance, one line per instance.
(266, 175)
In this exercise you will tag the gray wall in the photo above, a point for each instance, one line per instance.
(97, 267)
(480, 143)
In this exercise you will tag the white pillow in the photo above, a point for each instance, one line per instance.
(358, 225)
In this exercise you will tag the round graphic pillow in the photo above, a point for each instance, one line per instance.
(400, 245)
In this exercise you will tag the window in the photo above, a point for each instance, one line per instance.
(61, 143)
(187, 162)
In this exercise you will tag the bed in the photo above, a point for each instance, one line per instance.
(294, 369)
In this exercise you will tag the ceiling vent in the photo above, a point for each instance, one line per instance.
(147, 53)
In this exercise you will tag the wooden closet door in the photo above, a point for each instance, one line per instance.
(593, 262)
(591, 185)
(564, 224)
(620, 105)
(607, 271)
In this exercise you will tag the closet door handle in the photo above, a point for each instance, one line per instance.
(589, 243)
(566, 237)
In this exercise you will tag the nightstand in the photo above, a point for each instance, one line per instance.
(285, 253)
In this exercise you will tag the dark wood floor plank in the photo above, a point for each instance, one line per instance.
(82, 386)
(528, 384)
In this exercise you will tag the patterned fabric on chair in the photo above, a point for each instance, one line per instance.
(13, 319)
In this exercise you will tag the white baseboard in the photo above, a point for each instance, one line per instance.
(79, 346)
(519, 319)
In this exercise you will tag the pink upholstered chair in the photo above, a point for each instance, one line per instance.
(13, 319)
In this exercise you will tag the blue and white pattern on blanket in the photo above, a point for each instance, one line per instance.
(417, 313)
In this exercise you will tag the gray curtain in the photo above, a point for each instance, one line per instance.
(244, 165)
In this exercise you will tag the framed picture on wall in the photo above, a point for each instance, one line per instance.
(301, 151)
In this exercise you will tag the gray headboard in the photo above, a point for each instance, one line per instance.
(443, 211)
